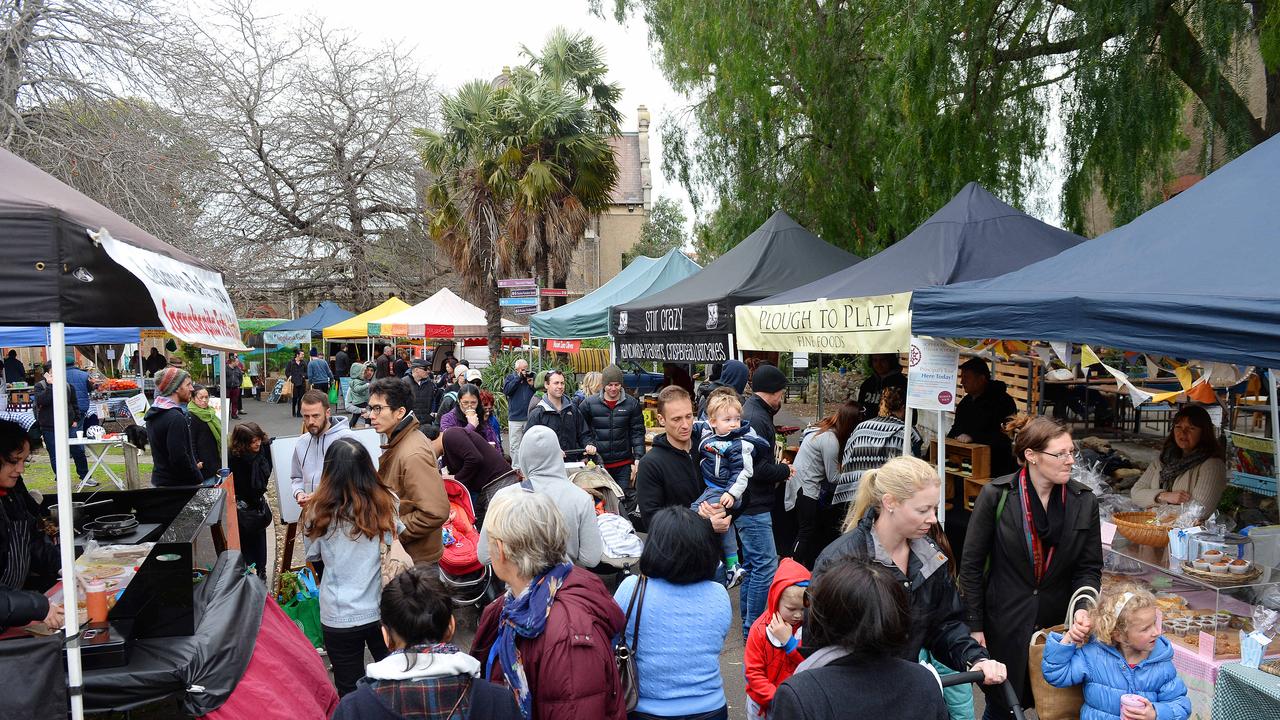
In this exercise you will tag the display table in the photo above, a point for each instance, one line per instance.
(1245, 694)
(98, 450)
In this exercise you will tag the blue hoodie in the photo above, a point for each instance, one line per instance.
(1106, 676)
(735, 374)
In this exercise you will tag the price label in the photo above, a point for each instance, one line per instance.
(1206, 645)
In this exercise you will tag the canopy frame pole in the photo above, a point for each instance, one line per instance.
(1275, 417)
(224, 405)
(819, 355)
(66, 534)
(942, 471)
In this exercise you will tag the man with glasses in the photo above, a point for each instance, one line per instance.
(982, 412)
(408, 466)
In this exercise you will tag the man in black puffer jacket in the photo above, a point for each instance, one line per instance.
(616, 422)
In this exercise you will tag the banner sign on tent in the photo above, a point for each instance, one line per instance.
(517, 282)
(685, 348)
(153, 334)
(192, 302)
(931, 375)
(287, 337)
(564, 346)
(877, 324)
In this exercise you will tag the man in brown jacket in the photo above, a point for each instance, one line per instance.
(408, 467)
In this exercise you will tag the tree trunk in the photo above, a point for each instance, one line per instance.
(11, 70)
(493, 317)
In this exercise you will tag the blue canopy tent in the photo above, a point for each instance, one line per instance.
(38, 336)
(588, 316)
(1191, 278)
(326, 314)
(975, 235)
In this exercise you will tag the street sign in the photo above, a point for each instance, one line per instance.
(517, 282)
(524, 292)
(525, 310)
(518, 301)
(555, 292)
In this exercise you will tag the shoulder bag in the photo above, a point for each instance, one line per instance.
(1055, 703)
(625, 657)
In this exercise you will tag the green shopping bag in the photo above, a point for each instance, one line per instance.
(304, 607)
(333, 394)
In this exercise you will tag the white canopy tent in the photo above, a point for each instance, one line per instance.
(443, 315)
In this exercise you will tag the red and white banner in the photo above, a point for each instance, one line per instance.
(564, 346)
(554, 292)
(192, 302)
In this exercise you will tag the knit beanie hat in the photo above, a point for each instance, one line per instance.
(768, 379)
(169, 380)
(315, 352)
(612, 374)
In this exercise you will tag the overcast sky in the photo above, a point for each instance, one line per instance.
(461, 41)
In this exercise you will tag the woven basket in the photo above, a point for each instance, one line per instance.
(1137, 527)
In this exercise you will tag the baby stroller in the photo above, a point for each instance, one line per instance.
(469, 581)
(975, 676)
(622, 546)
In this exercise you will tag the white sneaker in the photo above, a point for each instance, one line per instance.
(734, 577)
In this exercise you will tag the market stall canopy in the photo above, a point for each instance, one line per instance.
(327, 314)
(1194, 277)
(691, 320)
(357, 326)
(865, 308)
(443, 315)
(38, 336)
(65, 258)
(588, 316)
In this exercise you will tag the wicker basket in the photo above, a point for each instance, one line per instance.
(1137, 527)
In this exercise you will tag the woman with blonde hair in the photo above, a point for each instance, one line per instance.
(1032, 540)
(592, 383)
(889, 523)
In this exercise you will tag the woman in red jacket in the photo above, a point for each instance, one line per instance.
(549, 638)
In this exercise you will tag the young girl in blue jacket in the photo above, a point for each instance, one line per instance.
(1126, 656)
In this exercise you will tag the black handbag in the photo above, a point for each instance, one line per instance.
(253, 516)
(625, 657)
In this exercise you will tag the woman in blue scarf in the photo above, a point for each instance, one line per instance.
(549, 639)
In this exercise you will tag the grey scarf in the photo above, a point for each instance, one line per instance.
(1173, 462)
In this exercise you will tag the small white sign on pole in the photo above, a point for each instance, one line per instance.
(800, 360)
(931, 385)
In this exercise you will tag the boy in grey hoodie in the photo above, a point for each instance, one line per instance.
(542, 461)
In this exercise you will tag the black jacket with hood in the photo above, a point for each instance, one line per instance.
(618, 432)
(169, 435)
(937, 612)
(769, 475)
(667, 476)
(567, 423)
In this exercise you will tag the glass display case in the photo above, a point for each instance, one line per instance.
(1195, 609)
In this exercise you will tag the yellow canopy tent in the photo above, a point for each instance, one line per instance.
(358, 327)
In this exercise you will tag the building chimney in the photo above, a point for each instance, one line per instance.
(646, 176)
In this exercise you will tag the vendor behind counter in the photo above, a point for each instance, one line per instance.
(29, 559)
(1191, 466)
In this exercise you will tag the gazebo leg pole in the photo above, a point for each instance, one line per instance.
(66, 534)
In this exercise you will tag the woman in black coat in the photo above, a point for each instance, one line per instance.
(893, 513)
(296, 373)
(1016, 581)
(206, 433)
(249, 459)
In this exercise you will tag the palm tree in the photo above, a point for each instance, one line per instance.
(466, 200)
(557, 116)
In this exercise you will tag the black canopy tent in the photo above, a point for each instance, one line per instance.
(692, 321)
(67, 260)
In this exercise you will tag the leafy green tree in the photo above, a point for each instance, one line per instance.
(662, 231)
(555, 120)
(860, 119)
(467, 200)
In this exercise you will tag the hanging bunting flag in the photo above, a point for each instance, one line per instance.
(1088, 358)
(1063, 349)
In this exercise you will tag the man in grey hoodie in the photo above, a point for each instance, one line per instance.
(308, 453)
(543, 465)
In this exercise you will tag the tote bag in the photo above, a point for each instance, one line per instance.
(1055, 703)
